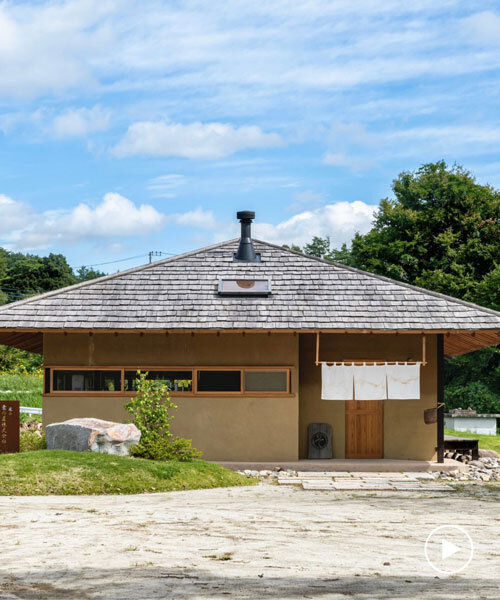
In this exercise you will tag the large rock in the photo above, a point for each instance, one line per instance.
(488, 453)
(96, 435)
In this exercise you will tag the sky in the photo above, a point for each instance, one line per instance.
(136, 126)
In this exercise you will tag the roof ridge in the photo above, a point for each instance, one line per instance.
(90, 282)
(386, 279)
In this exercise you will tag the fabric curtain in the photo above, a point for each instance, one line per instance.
(370, 382)
(403, 382)
(337, 382)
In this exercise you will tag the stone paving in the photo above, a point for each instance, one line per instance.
(357, 481)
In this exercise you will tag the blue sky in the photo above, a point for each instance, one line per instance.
(134, 126)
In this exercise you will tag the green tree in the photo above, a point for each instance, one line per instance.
(474, 380)
(87, 273)
(293, 247)
(3, 269)
(35, 274)
(440, 232)
(319, 247)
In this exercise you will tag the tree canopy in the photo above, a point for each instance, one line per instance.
(23, 275)
(440, 232)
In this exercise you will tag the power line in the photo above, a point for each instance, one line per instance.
(20, 292)
(111, 262)
(149, 254)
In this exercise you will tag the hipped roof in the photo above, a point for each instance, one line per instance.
(308, 294)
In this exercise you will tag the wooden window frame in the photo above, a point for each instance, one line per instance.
(194, 370)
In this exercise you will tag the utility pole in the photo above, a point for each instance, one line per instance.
(153, 253)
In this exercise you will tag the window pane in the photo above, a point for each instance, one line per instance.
(266, 381)
(176, 381)
(46, 381)
(87, 381)
(219, 381)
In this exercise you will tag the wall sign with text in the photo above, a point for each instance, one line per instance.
(9, 426)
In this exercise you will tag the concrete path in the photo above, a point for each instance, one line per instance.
(346, 481)
(263, 542)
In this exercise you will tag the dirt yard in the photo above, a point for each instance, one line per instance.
(261, 542)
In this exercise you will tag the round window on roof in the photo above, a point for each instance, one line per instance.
(245, 284)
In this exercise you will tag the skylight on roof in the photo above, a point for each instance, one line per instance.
(245, 287)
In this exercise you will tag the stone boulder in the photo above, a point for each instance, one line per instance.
(488, 453)
(96, 435)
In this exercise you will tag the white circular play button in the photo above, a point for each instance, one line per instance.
(449, 549)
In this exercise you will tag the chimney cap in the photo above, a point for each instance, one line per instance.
(245, 214)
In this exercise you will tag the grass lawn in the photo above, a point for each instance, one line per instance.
(488, 442)
(25, 388)
(59, 472)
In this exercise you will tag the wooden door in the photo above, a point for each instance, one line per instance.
(363, 429)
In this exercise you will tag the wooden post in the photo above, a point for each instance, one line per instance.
(317, 348)
(440, 398)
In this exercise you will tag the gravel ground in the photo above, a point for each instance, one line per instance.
(260, 542)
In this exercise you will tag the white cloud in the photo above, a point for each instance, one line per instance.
(165, 186)
(238, 54)
(340, 221)
(202, 219)
(80, 121)
(354, 163)
(51, 47)
(483, 27)
(47, 122)
(115, 217)
(194, 140)
(13, 214)
(425, 143)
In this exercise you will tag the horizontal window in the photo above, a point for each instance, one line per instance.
(176, 381)
(87, 381)
(266, 381)
(237, 381)
(219, 381)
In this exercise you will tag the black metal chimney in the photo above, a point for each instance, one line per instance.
(246, 252)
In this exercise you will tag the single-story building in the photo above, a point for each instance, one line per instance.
(469, 421)
(256, 343)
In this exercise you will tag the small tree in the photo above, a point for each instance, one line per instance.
(151, 414)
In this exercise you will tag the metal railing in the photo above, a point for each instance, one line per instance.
(30, 410)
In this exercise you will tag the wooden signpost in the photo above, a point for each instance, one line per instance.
(9, 426)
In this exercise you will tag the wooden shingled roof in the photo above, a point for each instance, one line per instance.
(307, 294)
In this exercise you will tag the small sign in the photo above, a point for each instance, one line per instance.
(9, 426)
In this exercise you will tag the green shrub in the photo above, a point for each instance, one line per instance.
(175, 448)
(151, 411)
(31, 440)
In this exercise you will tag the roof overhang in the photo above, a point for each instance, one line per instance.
(462, 342)
(23, 340)
(455, 342)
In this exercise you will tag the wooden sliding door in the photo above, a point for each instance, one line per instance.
(364, 429)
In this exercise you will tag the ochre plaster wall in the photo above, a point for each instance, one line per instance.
(224, 428)
(406, 436)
